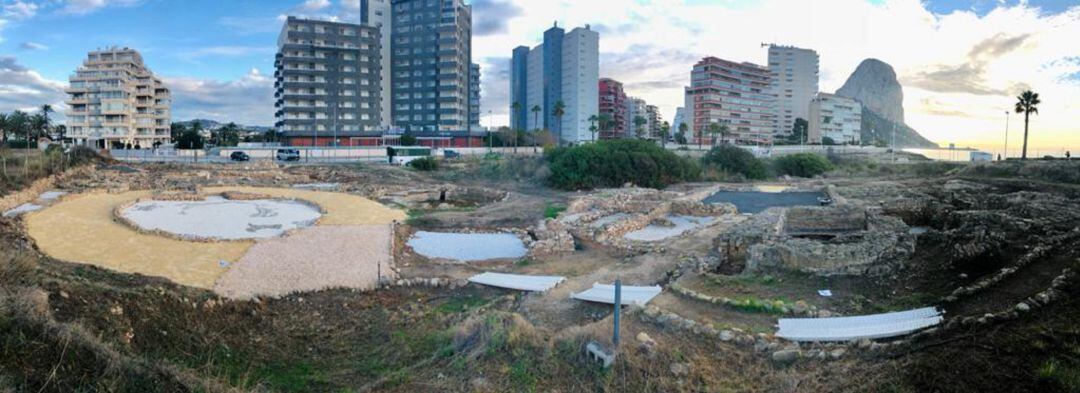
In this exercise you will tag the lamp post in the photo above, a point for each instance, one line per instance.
(1006, 135)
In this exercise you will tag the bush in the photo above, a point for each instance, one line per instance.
(613, 163)
(802, 165)
(424, 164)
(735, 160)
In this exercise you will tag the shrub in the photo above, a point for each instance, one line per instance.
(802, 165)
(613, 163)
(735, 160)
(424, 164)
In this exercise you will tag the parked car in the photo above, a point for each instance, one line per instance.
(451, 154)
(239, 156)
(288, 155)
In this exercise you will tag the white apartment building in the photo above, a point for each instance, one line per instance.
(838, 118)
(566, 68)
(379, 13)
(636, 107)
(794, 83)
(115, 101)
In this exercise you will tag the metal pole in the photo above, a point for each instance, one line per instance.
(1006, 135)
(618, 303)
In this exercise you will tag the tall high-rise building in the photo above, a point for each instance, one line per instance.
(652, 116)
(327, 84)
(733, 94)
(680, 118)
(564, 68)
(115, 101)
(834, 117)
(379, 14)
(432, 63)
(519, 110)
(612, 108)
(794, 83)
(474, 94)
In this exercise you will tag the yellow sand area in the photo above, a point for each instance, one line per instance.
(82, 229)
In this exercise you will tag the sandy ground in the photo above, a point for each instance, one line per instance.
(311, 259)
(81, 228)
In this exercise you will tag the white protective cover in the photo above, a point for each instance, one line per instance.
(858, 327)
(517, 281)
(603, 293)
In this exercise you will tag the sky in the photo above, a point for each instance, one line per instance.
(961, 62)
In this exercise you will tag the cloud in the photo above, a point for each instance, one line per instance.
(23, 88)
(247, 100)
(83, 7)
(493, 16)
(19, 10)
(969, 77)
(33, 46)
(313, 5)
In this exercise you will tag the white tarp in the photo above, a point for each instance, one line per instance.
(518, 281)
(858, 327)
(602, 293)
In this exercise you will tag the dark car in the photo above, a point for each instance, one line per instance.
(239, 156)
(451, 154)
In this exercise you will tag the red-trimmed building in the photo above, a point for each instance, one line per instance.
(354, 139)
(735, 94)
(613, 106)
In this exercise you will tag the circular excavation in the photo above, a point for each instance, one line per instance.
(218, 218)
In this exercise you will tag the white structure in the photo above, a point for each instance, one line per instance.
(636, 107)
(835, 117)
(114, 100)
(680, 118)
(794, 82)
(517, 281)
(379, 13)
(858, 327)
(566, 68)
(603, 293)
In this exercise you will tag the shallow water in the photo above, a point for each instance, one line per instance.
(220, 218)
(22, 209)
(756, 202)
(467, 246)
(682, 225)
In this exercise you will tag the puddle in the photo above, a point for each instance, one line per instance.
(220, 218)
(602, 221)
(318, 186)
(467, 246)
(51, 195)
(917, 230)
(756, 202)
(22, 209)
(682, 224)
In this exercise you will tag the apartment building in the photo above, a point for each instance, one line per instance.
(613, 109)
(432, 65)
(564, 68)
(327, 83)
(116, 102)
(733, 94)
(834, 117)
(379, 14)
(653, 121)
(794, 74)
(637, 108)
(474, 95)
(680, 118)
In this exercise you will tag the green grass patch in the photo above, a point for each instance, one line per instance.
(552, 210)
(755, 305)
(522, 376)
(1060, 373)
(462, 304)
(292, 377)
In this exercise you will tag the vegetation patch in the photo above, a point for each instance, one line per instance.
(426, 164)
(802, 165)
(733, 160)
(613, 163)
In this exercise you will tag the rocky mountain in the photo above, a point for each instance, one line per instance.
(875, 85)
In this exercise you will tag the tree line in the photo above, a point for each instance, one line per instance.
(27, 127)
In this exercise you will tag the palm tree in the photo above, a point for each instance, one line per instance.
(665, 132)
(515, 107)
(638, 122)
(4, 127)
(603, 122)
(558, 111)
(1027, 103)
(683, 128)
(592, 125)
(46, 109)
(713, 129)
(536, 115)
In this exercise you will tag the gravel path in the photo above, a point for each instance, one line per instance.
(311, 259)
